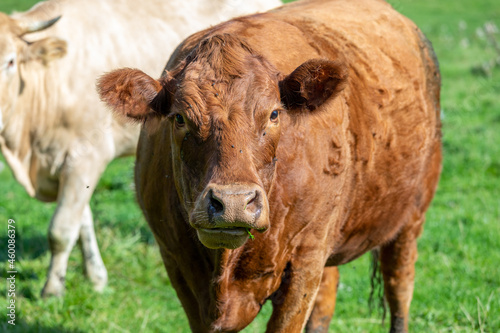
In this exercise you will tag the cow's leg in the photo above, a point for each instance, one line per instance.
(294, 300)
(324, 305)
(77, 184)
(63, 233)
(398, 268)
(185, 293)
(93, 264)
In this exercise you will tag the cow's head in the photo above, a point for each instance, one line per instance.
(16, 52)
(226, 106)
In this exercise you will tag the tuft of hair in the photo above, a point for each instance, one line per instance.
(225, 53)
(129, 92)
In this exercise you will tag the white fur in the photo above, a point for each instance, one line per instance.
(1, 120)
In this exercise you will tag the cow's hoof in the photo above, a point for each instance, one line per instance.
(52, 290)
(99, 282)
(97, 274)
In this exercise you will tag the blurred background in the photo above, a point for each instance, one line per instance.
(457, 285)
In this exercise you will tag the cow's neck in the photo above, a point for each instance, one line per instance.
(244, 280)
(25, 123)
(237, 299)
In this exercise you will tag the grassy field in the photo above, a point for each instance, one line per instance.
(458, 273)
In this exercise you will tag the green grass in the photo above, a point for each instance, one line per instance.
(457, 285)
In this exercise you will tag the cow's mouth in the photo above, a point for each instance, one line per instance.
(224, 214)
(228, 238)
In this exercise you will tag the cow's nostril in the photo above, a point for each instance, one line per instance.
(215, 206)
(253, 205)
(251, 201)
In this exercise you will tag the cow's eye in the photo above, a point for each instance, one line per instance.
(274, 116)
(179, 120)
(9, 65)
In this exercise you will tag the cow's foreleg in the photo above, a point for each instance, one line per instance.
(77, 184)
(324, 305)
(93, 264)
(294, 300)
(63, 234)
(398, 268)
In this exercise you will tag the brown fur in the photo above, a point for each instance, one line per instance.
(127, 88)
(350, 164)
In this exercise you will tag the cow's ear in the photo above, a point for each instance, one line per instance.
(134, 94)
(313, 83)
(45, 50)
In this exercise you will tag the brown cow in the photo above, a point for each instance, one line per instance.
(318, 122)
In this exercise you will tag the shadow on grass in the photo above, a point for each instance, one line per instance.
(27, 248)
(36, 244)
(23, 327)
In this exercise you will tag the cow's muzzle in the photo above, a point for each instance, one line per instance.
(224, 214)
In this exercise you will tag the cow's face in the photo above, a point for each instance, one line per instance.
(16, 53)
(225, 106)
(225, 133)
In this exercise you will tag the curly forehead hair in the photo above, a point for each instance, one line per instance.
(221, 58)
(212, 70)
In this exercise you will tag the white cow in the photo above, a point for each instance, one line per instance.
(55, 134)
